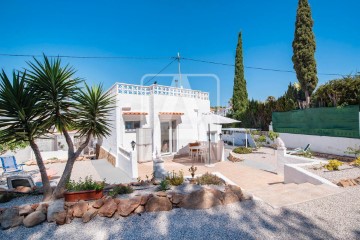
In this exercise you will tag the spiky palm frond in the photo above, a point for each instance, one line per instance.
(93, 110)
(22, 116)
(56, 86)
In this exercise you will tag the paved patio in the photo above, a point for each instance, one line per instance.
(255, 175)
(245, 176)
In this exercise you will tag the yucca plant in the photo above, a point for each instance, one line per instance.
(69, 107)
(23, 119)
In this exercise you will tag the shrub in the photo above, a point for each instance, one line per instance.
(261, 139)
(164, 185)
(356, 163)
(88, 184)
(273, 135)
(121, 189)
(209, 179)
(242, 150)
(333, 165)
(175, 179)
(307, 154)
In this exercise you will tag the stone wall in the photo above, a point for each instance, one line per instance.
(103, 154)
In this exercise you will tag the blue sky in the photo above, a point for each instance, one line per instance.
(201, 29)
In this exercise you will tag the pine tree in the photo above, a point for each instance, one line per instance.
(240, 96)
(304, 50)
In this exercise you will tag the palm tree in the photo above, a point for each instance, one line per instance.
(69, 107)
(23, 119)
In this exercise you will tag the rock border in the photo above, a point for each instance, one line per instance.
(62, 212)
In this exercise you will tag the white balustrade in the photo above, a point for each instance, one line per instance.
(124, 88)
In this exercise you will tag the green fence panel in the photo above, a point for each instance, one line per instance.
(334, 122)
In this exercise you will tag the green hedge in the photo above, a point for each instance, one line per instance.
(334, 122)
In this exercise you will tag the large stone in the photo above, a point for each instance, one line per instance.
(139, 209)
(42, 207)
(80, 208)
(54, 208)
(25, 210)
(10, 218)
(69, 215)
(230, 197)
(156, 204)
(144, 199)
(108, 209)
(237, 190)
(34, 219)
(161, 194)
(176, 198)
(127, 206)
(90, 214)
(200, 199)
(98, 203)
(60, 217)
(34, 206)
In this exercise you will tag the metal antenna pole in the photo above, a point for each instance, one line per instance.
(178, 58)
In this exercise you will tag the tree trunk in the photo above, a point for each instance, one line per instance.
(41, 165)
(307, 99)
(60, 188)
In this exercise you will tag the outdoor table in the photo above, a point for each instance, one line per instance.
(198, 148)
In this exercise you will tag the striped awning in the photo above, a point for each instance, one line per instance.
(171, 113)
(135, 113)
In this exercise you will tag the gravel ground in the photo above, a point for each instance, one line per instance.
(333, 217)
(345, 172)
(22, 200)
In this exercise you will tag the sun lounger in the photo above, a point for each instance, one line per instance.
(10, 166)
(299, 150)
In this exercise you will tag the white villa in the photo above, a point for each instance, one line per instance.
(154, 119)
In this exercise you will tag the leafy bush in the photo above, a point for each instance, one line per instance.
(261, 139)
(307, 154)
(88, 184)
(333, 165)
(175, 179)
(242, 150)
(356, 163)
(121, 189)
(209, 179)
(273, 135)
(164, 185)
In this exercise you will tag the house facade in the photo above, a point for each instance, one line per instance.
(156, 118)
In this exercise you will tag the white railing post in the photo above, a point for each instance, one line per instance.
(134, 166)
(280, 156)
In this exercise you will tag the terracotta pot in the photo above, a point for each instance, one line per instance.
(83, 195)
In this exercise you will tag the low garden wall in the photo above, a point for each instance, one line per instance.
(321, 144)
(291, 168)
(127, 162)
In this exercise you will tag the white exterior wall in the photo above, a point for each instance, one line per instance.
(110, 142)
(135, 103)
(322, 144)
(152, 100)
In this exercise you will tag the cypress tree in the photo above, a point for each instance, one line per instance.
(240, 96)
(304, 50)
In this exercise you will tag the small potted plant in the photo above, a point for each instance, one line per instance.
(83, 190)
(192, 171)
